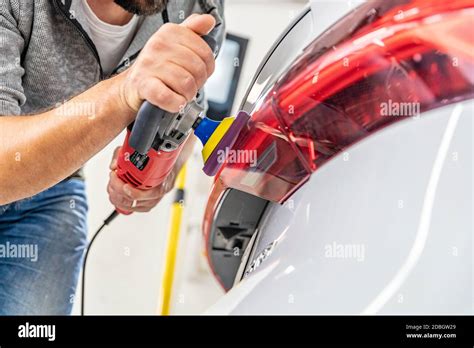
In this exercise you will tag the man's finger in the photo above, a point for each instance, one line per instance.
(143, 195)
(113, 163)
(121, 202)
(147, 204)
(157, 93)
(116, 184)
(200, 24)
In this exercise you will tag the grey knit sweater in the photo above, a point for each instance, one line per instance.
(46, 57)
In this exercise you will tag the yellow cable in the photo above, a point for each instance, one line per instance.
(181, 179)
(172, 248)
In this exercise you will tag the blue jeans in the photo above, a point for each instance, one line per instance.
(42, 242)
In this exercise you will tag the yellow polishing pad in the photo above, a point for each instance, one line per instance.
(216, 137)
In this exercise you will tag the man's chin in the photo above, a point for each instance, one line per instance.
(142, 7)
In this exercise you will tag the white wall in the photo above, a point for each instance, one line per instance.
(125, 264)
(261, 21)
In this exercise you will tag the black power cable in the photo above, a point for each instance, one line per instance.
(107, 221)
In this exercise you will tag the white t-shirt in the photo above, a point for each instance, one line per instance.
(111, 41)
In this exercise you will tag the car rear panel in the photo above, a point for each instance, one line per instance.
(386, 62)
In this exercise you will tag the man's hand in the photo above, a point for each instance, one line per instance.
(174, 64)
(129, 199)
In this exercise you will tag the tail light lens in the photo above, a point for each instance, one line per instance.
(380, 64)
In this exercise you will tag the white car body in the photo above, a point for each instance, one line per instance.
(385, 227)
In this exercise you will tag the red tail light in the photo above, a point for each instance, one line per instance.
(409, 56)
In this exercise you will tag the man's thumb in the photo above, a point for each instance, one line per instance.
(200, 24)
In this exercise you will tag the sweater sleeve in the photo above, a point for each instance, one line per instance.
(12, 95)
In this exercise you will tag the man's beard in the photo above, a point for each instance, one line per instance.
(142, 7)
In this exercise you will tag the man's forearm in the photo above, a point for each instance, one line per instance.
(38, 151)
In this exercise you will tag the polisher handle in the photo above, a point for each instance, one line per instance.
(150, 116)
